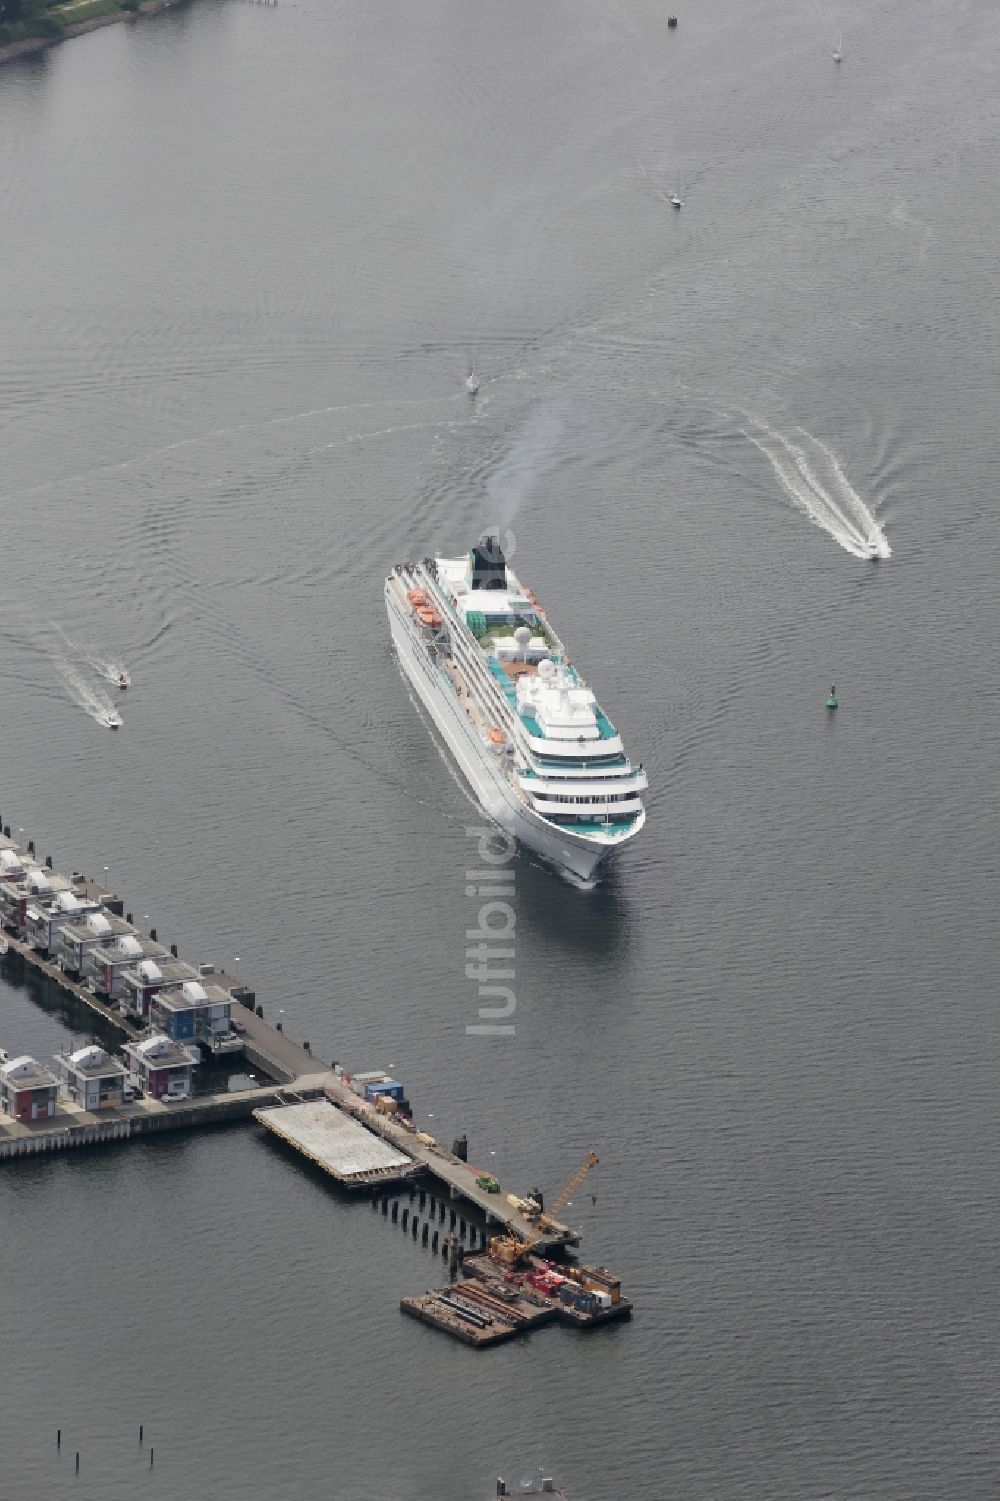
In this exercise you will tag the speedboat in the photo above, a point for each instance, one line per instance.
(838, 55)
(675, 202)
(111, 720)
(472, 383)
(122, 678)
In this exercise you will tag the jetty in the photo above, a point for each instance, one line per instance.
(356, 1130)
(341, 1133)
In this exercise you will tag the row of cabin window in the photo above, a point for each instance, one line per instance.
(609, 797)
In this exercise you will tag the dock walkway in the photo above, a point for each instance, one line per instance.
(73, 1127)
(458, 1175)
(298, 1077)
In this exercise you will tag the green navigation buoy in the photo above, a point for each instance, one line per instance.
(831, 702)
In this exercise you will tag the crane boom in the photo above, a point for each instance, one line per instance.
(508, 1250)
(574, 1183)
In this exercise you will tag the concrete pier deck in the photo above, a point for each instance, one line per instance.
(337, 1144)
(271, 1051)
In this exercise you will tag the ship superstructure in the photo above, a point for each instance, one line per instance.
(542, 758)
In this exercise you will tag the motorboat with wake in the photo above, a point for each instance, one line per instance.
(472, 383)
(111, 719)
(838, 55)
(675, 202)
(122, 678)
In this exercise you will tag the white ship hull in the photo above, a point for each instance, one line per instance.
(580, 854)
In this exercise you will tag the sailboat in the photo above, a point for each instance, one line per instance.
(838, 55)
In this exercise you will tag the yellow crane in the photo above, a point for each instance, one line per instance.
(508, 1250)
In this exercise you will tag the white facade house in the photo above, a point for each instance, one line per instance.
(142, 981)
(92, 1078)
(48, 913)
(105, 968)
(98, 930)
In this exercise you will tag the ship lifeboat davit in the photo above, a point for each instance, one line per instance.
(417, 596)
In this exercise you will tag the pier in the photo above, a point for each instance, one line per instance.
(337, 1144)
(365, 1142)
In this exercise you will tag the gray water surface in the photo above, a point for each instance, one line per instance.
(247, 257)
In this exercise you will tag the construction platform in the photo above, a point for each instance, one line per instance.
(469, 1312)
(339, 1145)
(492, 1306)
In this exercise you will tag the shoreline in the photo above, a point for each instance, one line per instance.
(33, 44)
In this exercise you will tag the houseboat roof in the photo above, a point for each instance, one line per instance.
(134, 946)
(160, 1051)
(94, 1062)
(191, 995)
(27, 1073)
(97, 927)
(163, 970)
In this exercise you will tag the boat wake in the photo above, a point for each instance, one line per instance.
(112, 672)
(91, 656)
(93, 700)
(811, 476)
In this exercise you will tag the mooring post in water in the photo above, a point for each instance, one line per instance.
(140, 1433)
(78, 1461)
(58, 1438)
(150, 1459)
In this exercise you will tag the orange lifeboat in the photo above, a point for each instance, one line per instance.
(497, 737)
(417, 596)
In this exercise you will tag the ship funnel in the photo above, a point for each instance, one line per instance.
(487, 564)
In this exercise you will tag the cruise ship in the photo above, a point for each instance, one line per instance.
(545, 763)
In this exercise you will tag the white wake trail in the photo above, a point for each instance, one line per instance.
(92, 700)
(106, 667)
(812, 477)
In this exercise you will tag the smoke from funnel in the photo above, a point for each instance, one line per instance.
(535, 452)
